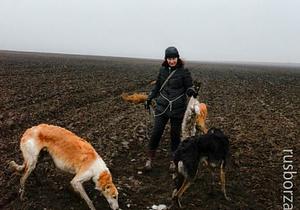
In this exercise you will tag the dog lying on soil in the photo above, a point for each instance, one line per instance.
(71, 154)
(135, 98)
(210, 149)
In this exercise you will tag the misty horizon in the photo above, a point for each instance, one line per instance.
(53, 54)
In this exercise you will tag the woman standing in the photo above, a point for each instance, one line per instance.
(173, 85)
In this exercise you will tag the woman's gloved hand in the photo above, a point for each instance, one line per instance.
(191, 92)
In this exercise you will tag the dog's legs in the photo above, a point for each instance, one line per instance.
(183, 188)
(77, 185)
(29, 166)
(30, 155)
(212, 172)
(178, 194)
(222, 176)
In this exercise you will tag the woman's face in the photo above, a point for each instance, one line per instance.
(172, 61)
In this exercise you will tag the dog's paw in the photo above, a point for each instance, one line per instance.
(21, 192)
(12, 165)
(174, 193)
(227, 198)
(177, 201)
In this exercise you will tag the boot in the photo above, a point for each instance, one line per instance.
(151, 155)
(148, 165)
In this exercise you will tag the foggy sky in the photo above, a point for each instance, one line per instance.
(204, 30)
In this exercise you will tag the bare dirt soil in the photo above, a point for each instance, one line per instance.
(256, 106)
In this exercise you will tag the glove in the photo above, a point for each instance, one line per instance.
(148, 104)
(191, 92)
(195, 94)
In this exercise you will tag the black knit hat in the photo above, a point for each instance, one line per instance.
(171, 52)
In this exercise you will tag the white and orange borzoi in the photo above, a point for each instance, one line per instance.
(71, 154)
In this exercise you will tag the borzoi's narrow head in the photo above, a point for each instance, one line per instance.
(108, 189)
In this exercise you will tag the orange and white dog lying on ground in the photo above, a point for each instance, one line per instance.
(71, 154)
(135, 98)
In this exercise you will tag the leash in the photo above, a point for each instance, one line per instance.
(165, 82)
(169, 105)
(169, 101)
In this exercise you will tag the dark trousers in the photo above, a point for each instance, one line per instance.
(158, 129)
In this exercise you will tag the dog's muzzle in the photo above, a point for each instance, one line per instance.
(114, 205)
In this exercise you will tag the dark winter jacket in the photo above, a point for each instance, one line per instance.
(175, 88)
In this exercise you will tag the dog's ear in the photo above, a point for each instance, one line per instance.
(99, 189)
(104, 179)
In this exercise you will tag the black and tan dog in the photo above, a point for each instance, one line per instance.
(210, 149)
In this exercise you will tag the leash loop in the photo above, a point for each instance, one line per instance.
(170, 102)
